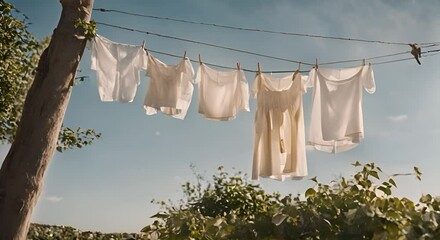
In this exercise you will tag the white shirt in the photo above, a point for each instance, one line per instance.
(337, 121)
(117, 68)
(279, 141)
(222, 94)
(170, 89)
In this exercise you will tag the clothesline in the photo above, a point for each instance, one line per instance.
(262, 55)
(204, 43)
(303, 71)
(262, 30)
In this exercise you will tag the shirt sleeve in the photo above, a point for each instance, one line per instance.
(150, 64)
(309, 81)
(256, 86)
(198, 78)
(91, 46)
(368, 80)
(244, 87)
(189, 71)
(143, 59)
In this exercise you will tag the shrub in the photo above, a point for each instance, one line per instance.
(360, 207)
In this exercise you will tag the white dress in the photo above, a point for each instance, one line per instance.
(117, 68)
(337, 121)
(170, 89)
(222, 94)
(279, 144)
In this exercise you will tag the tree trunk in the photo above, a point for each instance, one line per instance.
(22, 172)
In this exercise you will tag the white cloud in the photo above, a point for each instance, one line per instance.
(53, 199)
(398, 118)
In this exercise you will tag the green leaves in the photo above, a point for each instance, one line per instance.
(69, 139)
(19, 55)
(310, 193)
(359, 207)
(87, 29)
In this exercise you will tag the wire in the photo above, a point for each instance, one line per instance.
(222, 66)
(430, 54)
(203, 43)
(262, 55)
(370, 58)
(252, 53)
(259, 30)
(433, 53)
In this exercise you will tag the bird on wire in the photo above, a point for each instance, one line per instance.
(416, 52)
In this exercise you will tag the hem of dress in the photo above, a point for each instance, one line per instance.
(283, 177)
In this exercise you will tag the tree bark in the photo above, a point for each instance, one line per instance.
(22, 172)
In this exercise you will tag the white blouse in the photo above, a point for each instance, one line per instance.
(222, 94)
(337, 122)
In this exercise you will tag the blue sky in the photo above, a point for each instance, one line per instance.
(108, 186)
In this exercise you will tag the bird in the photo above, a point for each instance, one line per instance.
(416, 52)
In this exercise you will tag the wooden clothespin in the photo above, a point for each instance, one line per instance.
(299, 66)
(200, 60)
(184, 55)
(143, 44)
(238, 66)
(316, 64)
(259, 69)
(363, 62)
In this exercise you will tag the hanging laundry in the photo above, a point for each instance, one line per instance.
(279, 144)
(337, 121)
(222, 94)
(170, 89)
(117, 68)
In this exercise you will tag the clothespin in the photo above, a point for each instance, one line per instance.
(416, 52)
(259, 69)
(363, 62)
(238, 66)
(200, 60)
(316, 65)
(143, 44)
(299, 66)
(184, 55)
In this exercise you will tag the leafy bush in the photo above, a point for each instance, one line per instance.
(360, 207)
(45, 232)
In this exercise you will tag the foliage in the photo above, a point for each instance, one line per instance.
(19, 56)
(19, 51)
(69, 139)
(45, 232)
(360, 207)
(88, 28)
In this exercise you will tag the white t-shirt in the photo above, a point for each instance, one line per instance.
(337, 121)
(222, 94)
(117, 68)
(170, 89)
(279, 140)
